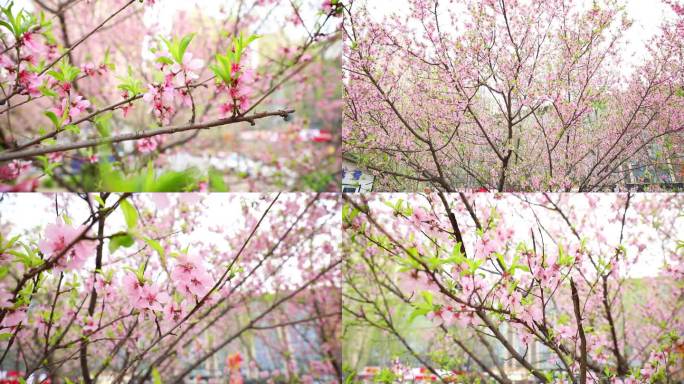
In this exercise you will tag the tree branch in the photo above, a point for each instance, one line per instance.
(141, 135)
(580, 329)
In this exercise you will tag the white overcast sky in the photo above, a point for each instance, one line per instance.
(649, 261)
(648, 15)
(160, 17)
(32, 211)
(163, 12)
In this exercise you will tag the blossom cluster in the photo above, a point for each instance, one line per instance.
(175, 87)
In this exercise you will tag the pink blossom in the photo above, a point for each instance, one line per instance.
(151, 298)
(55, 157)
(30, 83)
(419, 216)
(33, 46)
(161, 200)
(7, 63)
(151, 94)
(160, 97)
(14, 318)
(126, 109)
(225, 109)
(147, 144)
(327, 5)
(173, 312)
(132, 286)
(471, 284)
(566, 332)
(57, 237)
(14, 169)
(27, 185)
(187, 71)
(77, 104)
(191, 277)
(89, 326)
(415, 280)
(526, 337)
(5, 298)
(190, 198)
(91, 69)
(531, 314)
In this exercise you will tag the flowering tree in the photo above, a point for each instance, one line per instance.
(129, 288)
(95, 91)
(526, 95)
(565, 288)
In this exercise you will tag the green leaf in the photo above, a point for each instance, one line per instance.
(502, 261)
(5, 336)
(164, 60)
(175, 181)
(418, 312)
(177, 48)
(132, 85)
(251, 38)
(224, 63)
(145, 180)
(130, 214)
(427, 296)
(156, 377)
(456, 255)
(216, 183)
(99, 200)
(66, 72)
(183, 46)
(30, 259)
(53, 117)
(102, 124)
(17, 24)
(317, 181)
(47, 91)
(140, 272)
(73, 129)
(474, 265)
(157, 247)
(124, 240)
(7, 25)
(47, 165)
(11, 241)
(107, 61)
(56, 75)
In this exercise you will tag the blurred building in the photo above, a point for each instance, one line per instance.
(355, 180)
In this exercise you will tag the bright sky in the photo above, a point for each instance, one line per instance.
(32, 211)
(648, 15)
(649, 262)
(163, 12)
(160, 17)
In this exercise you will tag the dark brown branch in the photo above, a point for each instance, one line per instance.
(580, 329)
(141, 135)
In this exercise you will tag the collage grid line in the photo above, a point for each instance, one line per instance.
(341, 191)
